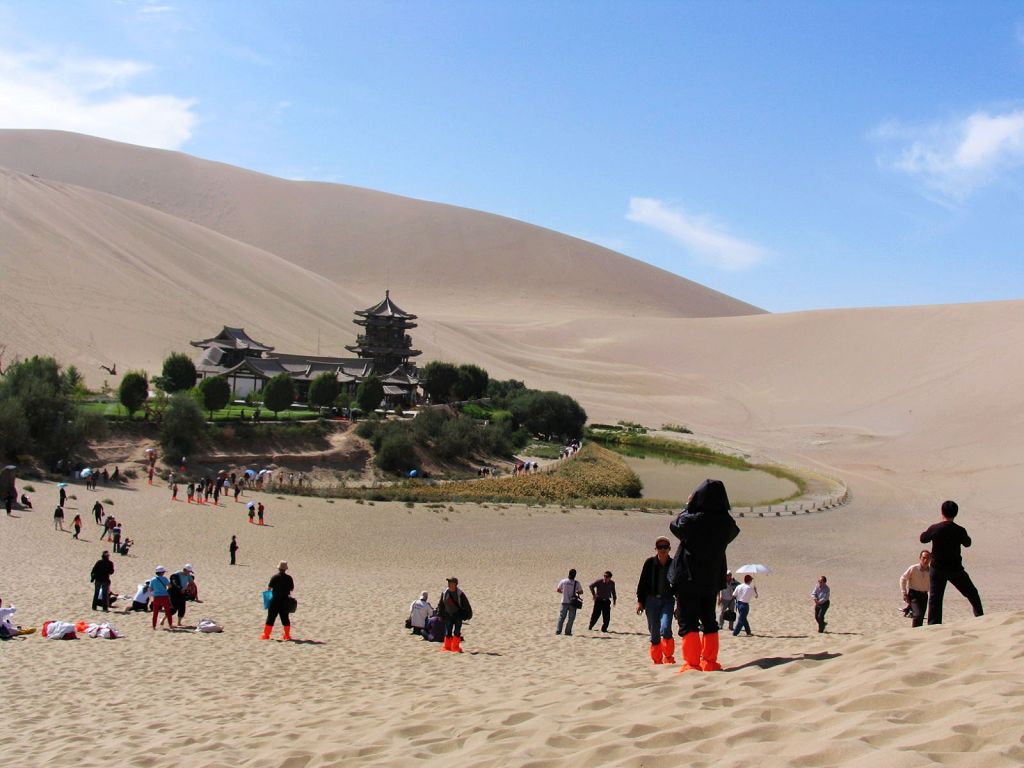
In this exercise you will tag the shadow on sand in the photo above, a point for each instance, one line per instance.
(769, 662)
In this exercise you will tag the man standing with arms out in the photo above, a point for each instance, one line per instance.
(914, 584)
(100, 577)
(603, 593)
(947, 537)
(570, 590)
(654, 596)
(822, 599)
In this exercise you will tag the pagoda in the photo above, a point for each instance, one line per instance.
(385, 340)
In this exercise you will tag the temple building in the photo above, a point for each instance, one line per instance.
(384, 349)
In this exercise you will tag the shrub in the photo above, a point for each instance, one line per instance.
(470, 383)
(550, 413)
(370, 394)
(324, 390)
(396, 453)
(459, 437)
(177, 375)
(438, 380)
(215, 393)
(279, 393)
(133, 391)
(183, 426)
(474, 411)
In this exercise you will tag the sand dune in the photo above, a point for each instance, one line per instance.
(908, 406)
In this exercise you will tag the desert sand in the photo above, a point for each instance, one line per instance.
(907, 406)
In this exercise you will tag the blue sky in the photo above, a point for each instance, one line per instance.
(794, 155)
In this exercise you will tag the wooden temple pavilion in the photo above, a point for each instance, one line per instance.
(383, 349)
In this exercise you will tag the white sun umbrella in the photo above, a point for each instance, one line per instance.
(752, 568)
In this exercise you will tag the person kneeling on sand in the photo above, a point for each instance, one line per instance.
(914, 584)
(141, 600)
(419, 612)
(454, 608)
(704, 529)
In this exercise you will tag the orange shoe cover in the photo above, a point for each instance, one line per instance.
(656, 654)
(266, 632)
(287, 633)
(668, 649)
(691, 652)
(447, 644)
(457, 644)
(709, 653)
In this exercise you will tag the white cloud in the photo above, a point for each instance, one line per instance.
(957, 157)
(698, 234)
(90, 95)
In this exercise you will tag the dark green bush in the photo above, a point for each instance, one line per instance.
(396, 453)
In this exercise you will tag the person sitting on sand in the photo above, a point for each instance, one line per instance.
(8, 628)
(140, 602)
(704, 529)
(914, 585)
(25, 502)
(419, 612)
(947, 566)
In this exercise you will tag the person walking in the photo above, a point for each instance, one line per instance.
(914, 585)
(726, 603)
(77, 525)
(419, 612)
(62, 497)
(821, 595)
(97, 511)
(251, 507)
(58, 519)
(570, 590)
(654, 597)
(233, 548)
(174, 490)
(159, 588)
(259, 512)
(603, 594)
(947, 566)
(743, 594)
(179, 590)
(281, 586)
(454, 608)
(704, 529)
(102, 570)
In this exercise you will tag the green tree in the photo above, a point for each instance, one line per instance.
(549, 413)
(178, 374)
(279, 393)
(502, 392)
(215, 392)
(36, 415)
(324, 390)
(396, 453)
(74, 384)
(370, 394)
(438, 379)
(183, 426)
(471, 382)
(133, 391)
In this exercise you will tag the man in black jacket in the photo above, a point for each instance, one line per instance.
(654, 596)
(947, 537)
(704, 530)
(100, 577)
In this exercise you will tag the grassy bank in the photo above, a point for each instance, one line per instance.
(641, 445)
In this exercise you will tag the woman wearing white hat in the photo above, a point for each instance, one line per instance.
(159, 585)
(419, 612)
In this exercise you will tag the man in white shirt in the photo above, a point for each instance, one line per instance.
(419, 612)
(914, 584)
(743, 594)
(570, 590)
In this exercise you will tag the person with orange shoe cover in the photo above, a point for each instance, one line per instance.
(704, 529)
(281, 585)
(453, 606)
(654, 597)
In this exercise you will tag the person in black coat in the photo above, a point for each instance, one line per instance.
(281, 586)
(704, 529)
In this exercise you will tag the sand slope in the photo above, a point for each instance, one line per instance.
(442, 255)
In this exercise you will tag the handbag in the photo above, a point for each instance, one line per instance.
(408, 623)
(729, 614)
(577, 603)
(293, 604)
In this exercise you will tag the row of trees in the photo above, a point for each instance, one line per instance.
(446, 382)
